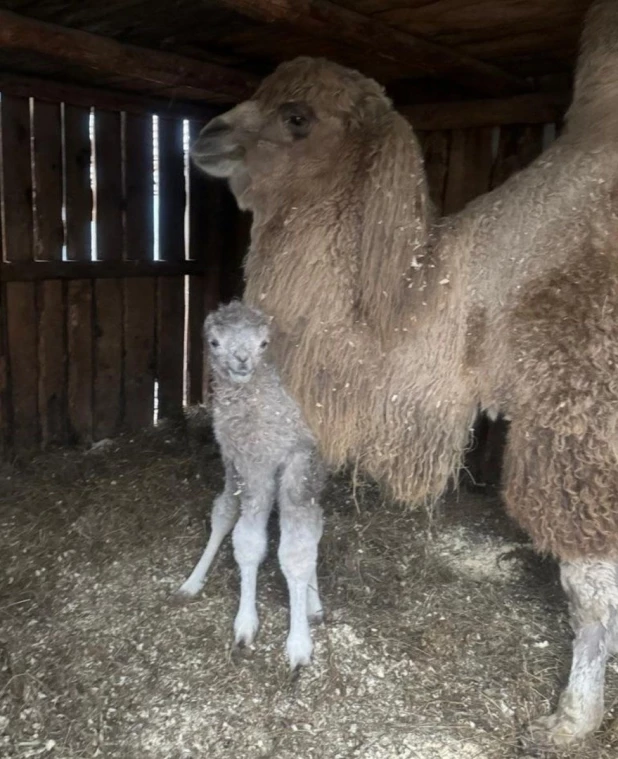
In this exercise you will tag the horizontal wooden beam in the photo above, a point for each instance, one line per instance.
(536, 108)
(98, 97)
(30, 271)
(321, 18)
(141, 69)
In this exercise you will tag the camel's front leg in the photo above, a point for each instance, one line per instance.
(592, 588)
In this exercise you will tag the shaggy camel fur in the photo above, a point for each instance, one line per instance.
(396, 326)
(268, 451)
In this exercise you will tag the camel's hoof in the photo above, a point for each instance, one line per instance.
(557, 731)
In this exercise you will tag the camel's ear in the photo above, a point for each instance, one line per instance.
(395, 222)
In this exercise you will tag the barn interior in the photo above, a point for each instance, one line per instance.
(113, 250)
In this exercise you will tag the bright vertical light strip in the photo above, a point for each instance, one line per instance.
(155, 188)
(185, 358)
(93, 186)
(63, 162)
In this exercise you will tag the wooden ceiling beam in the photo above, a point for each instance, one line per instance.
(535, 108)
(140, 69)
(415, 54)
(104, 98)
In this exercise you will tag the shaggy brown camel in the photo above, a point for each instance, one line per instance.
(396, 326)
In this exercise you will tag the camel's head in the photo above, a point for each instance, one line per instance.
(304, 119)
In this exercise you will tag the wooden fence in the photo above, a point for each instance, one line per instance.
(113, 248)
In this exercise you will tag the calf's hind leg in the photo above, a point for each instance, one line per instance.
(223, 517)
(592, 589)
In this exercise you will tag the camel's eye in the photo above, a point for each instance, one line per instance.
(264, 343)
(298, 118)
(214, 343)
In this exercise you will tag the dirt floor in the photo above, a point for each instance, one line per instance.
(441, 640)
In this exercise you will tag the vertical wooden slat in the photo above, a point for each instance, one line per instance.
(17, 179)
(139, 294)
(23, 365)
(171, 191)
(108, 347)
(170, 290)
(80, 371)
(109, 196)
(52, 363)
(48, 225)
(469, 167)
(20, 297)
(108, 298)
(200, 215)
(139, 360)
(4, 405)
(48, 242)
(436, 152)
(77, 183)
(79, 209)
(138, 187)
(517, 147)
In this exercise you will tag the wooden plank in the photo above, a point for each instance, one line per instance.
(195, 351)
(108, 348)
(108, 99)
(48, 224)
(109, 196)
(139, 68)
(139, 358)
(469, 167)
(172, 195)
(326, 20)
(138, 187)
(4, 405)
(17, 179)
(533, 108)
(139, 294)
(436, 154)
(80, 363)
(21, 330)
(52, 363)
(170, 345)
(78, 192)
(171, 290)
(48, 242)
(37, 270)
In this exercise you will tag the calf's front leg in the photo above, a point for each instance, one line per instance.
(250, 542)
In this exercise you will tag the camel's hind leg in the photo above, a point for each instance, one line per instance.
(592, 589)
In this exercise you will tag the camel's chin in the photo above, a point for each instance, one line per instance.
(221, 165)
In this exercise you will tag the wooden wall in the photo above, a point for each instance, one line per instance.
(94, 331)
